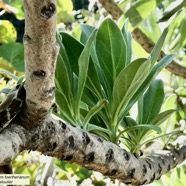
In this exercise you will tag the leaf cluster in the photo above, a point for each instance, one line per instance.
(98, 83)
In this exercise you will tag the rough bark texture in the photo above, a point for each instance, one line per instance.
(57, 139)
(142, 39)
(41, 52)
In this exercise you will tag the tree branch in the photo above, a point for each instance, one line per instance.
(41, 52)
(57, 139)
(142, 39)
(65, 142)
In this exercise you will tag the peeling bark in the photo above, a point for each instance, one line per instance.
(142, 39)
(57, 139)
(41, 52)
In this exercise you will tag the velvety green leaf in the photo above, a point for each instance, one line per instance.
(96, 108)
(95, 128)
(154, 72)
(83, 63)
(140, 109)
(160, 118)
(100, 73)
(13, 53)
(157, 48)
(129, 121)
(8, 32)
(111, 51)
(96, 81)
(139, 126)
(127, 84)
(86, 32)
(73, 50)
(93, 82)
(63, 79)
(128, 38)
(153, 100)
(65, 109)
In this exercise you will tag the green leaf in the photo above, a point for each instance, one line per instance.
(64, 9)
(5, 90)
(66, 112)
(138, 127)
(73, 50)
(93, 82)
(93, 111)
(140, 109)
(127, 84)
(14, 54)
(9, 74)
(83, 63)
(86, 32)
(96, 129)
(172, 9)
(128, 38)
(140, 10)
(18, 5)
(111, 51)
(63, 80)
(152, 100)
(157, 48)
(8, 32)
(154, 72)
(160, 118)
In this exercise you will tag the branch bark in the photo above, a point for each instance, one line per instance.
(55, 138)
(41, 52)
(65, 142)
(142, 39)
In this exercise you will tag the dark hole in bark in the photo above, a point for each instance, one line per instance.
(159, 168)
(48, 11)
(150, 167)
(169, 167)
(68, 158)
(153, 177)
(14, 146)
(63, 125)
(126, 155)
(111, 172)
(71, 141)
(144, 170)
(100, 139)
(39, 74)
(35, 137)
(109, 156)
(51, 127)
(86, 138)
(26, 38)
(89, 157)
(130, 174)
(144, 182)
(52, 146)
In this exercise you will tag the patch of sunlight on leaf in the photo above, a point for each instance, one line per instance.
(7, 32)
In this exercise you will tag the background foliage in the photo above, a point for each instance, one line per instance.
(93, 78)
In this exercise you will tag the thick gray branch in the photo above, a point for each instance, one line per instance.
(57, 139)
(41, 52)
